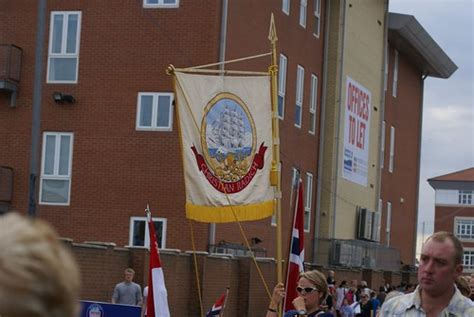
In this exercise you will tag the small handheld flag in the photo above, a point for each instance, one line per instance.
(157, 301)
(218, 308)
(296, 256)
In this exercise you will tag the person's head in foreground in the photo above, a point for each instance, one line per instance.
(38, 275)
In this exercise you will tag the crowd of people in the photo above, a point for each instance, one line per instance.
(40, 278)
(442, 290)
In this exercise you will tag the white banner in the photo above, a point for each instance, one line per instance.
(356, 132)
(226, 133)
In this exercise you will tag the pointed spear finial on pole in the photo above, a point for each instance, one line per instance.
(148, 212)
(272, 34)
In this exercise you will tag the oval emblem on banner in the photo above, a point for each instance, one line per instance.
(228, 137)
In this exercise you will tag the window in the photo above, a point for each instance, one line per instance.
(382, 146)
(55, 185)
(464, 228)
(392, 149)
(317, 18)
(465, 197)
(160, 3)
(303, 11)
(468, 259)
(63, 58)
(380, 206)
(282, 86)
(295, 177)
(285, 7)
(299, 95)
(313, 103)
(155, 111)
(389, 222)
(308, 201)
(395, 75)
(140, 235)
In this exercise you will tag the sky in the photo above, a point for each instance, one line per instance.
(448, 107)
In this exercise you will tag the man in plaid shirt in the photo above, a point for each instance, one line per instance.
(436, 294)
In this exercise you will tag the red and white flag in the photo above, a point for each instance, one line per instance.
(296, 255)
(157, 301)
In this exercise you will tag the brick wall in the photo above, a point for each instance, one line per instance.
(102, 266)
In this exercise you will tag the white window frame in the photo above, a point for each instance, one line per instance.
(382, 146)
(160, 5)
(303, 12)
(56, 175)
(464, 228)
(313, 104)
(282, 84)
(63, 53)
(285, 6)
(147, 231)
(465, 197)
(391, 161)
(317, 18)
(468, 260)
(308, 201)
(154, 127)
(389, 223)
(299, 95)
(395, 75)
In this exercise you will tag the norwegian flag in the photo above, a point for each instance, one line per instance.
(296, 256)
(218, 308)
(157, 301)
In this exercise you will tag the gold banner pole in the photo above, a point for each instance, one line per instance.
(275, 177)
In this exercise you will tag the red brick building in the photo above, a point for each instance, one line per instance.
(88, 135)
(454, 209)
(409, 60)
(101, 154)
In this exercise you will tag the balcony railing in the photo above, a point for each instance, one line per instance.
(10, 63)
(235, 249)
(356, 253)
(10, 69)
(6, 188)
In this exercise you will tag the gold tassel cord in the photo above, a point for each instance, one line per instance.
(196, 268)
(232, 61)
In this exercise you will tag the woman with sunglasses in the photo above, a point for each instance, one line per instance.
(312, 289)
(366, 305)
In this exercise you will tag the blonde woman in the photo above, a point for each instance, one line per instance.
(312, 289)
(38, 276)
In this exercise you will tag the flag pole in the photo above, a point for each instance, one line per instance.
(225, 301)
(275, 178)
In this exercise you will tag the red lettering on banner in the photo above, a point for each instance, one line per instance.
(358, 102)
(352, 129)
(361, 135)
(234, 187)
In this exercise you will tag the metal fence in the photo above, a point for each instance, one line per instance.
(357, 254)
(236, 249)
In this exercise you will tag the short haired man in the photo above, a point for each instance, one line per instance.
(436, 294)
(127, 292)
